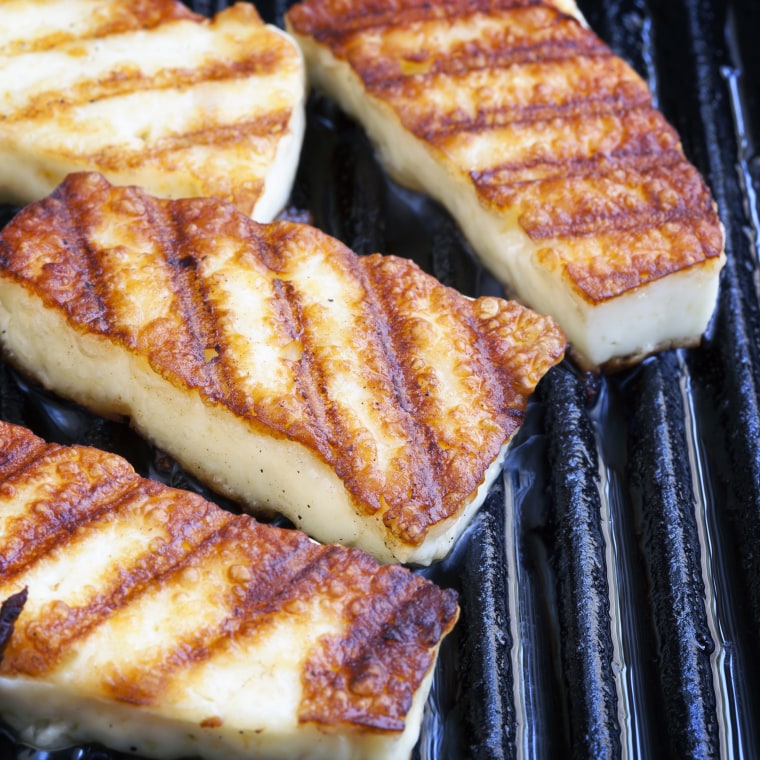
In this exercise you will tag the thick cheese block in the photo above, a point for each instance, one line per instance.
(545, 147)
(355, 394)
(151, 620)
(149, 93)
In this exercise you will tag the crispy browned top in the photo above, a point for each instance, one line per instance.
(405, 387)
(544, 121)
(59, 501)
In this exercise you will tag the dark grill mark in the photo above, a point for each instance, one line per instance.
(625, 199)
(130, 81)
(144, 15)
(436, 485)
(261, 580)
(507, 179)
(197, 323)
(191, 534)
(58, 626)
(314, 421)
(72, 276)
(424, 488)
(479, 55)
(259, 135)
(574, 100)
(371, 661)
(17, 452)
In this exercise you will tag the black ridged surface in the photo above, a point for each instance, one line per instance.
(578, 562)
(610, 586)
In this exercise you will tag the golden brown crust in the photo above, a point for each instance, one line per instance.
(571, 142)
(445, 379)
(392, 621)
(501, 351)
(67, 500)
(365, 676)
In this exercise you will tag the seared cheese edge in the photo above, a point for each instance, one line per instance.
(278, 182)
(262, 471)
(631, 325)
(50, 717)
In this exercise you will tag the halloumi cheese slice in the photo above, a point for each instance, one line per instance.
(151, 94)
(545, 147)
(157, 623)
(355, 394)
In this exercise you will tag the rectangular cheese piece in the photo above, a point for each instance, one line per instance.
(355, 394)
(152, 621)
(151, 94)
(545, 147)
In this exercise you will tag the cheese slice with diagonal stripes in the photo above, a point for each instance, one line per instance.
(151, 620)
(355, 394)
(149, 93)
(544, 146)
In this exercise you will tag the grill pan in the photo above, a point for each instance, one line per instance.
(610, 586)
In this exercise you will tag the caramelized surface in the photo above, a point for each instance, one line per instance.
(148, 93)
(152, 583)
(543, 120)
(407, 389)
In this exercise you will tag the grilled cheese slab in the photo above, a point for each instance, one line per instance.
(151, 620)
(149, 94)
(544, 146)
(356, 395)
